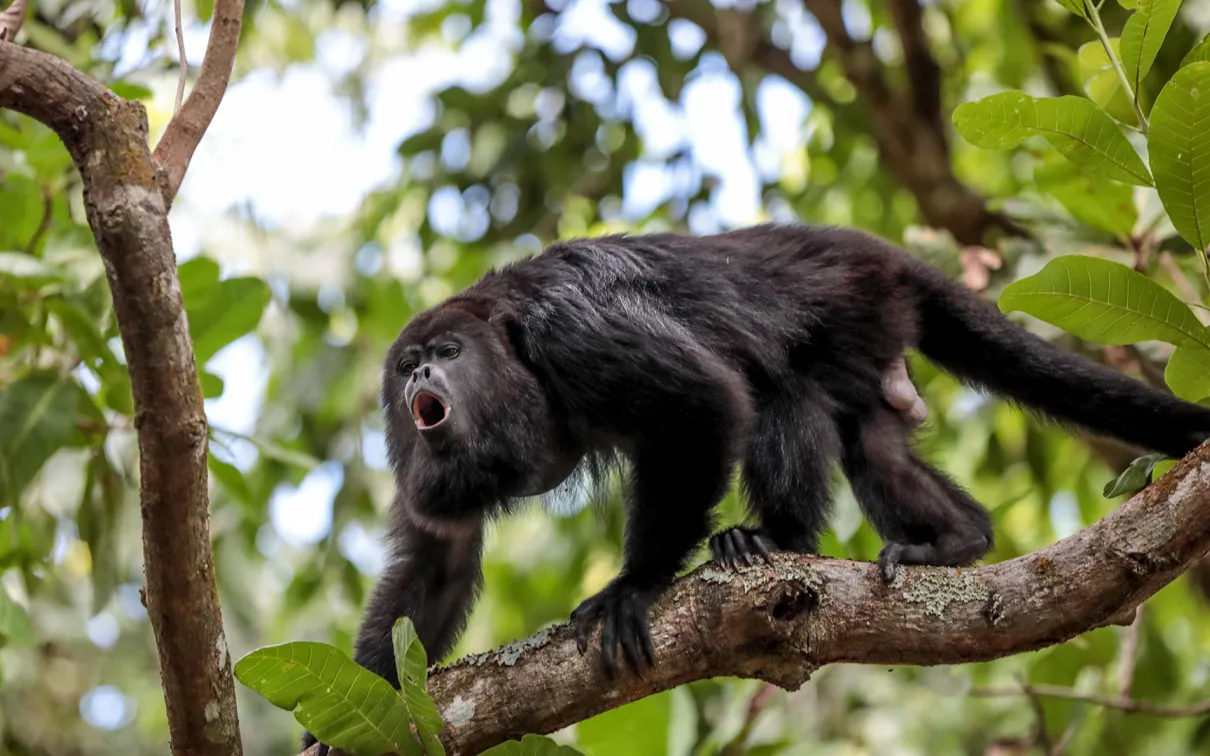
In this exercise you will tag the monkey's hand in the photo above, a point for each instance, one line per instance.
(735, 546)
(624, 614)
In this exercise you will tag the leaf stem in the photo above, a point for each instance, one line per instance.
(1094, 18)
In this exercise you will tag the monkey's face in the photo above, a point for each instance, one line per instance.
(437, 382)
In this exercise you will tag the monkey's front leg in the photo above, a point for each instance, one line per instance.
(675, 484)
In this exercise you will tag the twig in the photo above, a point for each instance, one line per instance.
(1187, 289)
(1130, 651)
(11, 20)
(48, 207)
(187, 127)
(1042, 733)
(759, 701)
(1120, 703)
(180, 46)
(1094, 18)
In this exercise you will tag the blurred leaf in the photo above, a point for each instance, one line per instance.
(639, 727)
(232, 308)
(14, 623)
(1105, 302)
(275, 451)
(1188, 373)
(423, 142)
(16, 265)
(1179, 144)
(38, 415)
(1101, 81)
(340, 702)
(98, 523)
(231, 479)
(1200, 53)
(1075, 6)
(129, 90)
(212, 385)
(1142, 36)
(1105, 205)
(531, 745)
(411, 662)
(1136, 477)
(1075, 126)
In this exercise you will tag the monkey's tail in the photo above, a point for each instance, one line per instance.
(973, 340)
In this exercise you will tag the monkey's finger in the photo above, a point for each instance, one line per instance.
(764, 551)
(609, 640)
(888, 561)
(716, 549)
(729, 549)
(741, 546)
(628, 636)
(644, 632)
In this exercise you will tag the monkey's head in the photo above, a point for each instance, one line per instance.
(467, 422)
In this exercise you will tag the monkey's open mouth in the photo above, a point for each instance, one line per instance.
(428, 410)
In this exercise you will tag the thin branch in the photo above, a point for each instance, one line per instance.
(11, 20)
(128, 213)
(180, 46)
(1130, 653)
(1042, 732)
(1119, 703)
(780, 624)
(924, 75)
(187, 127)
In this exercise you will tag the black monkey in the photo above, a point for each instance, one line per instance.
(766, 346)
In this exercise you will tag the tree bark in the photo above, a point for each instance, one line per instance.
(128, 213)
(781, 623)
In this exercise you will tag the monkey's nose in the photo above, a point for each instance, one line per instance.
(426, 371)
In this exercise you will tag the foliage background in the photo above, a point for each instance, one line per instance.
(371, 159)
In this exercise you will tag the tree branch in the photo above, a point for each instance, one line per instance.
(128, 214)
(1120, 703)
(924, 75)
(780, 624)
(187, 127)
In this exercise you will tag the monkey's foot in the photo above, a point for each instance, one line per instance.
(624, 614)
(734, 546)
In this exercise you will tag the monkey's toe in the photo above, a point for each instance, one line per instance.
(309, 740)
(623, 612)
(734, 546)
(889, 560)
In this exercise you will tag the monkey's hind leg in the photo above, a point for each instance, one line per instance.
(922, 516)
(785, 476)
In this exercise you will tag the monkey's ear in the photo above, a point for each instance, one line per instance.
(507, 322)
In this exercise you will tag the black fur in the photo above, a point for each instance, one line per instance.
(765, 347)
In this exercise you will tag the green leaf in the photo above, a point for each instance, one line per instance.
(1102, 83)
(1142, 36)
(1188, 373)
(1104, 301)
(1199, 53)
(1133, 478)
(422, 142)
(1179, 144)
(232, 308)
(1129, 4)
(212, 385)
(1075, 6)
(274, 451)
(639, 727)
(1104, 205)
(531, 745)
(412, 663)
(230, 477)
(38, 416)
(1075, 126)
(98, 521)
(14, 623)
(340, 702)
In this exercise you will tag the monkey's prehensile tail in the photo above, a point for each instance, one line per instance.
(973, 340)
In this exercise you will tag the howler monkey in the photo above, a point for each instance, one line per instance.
(766, 347)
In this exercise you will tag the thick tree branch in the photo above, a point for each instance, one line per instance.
(187, 127)
(128, 214)
(910, 131)
(780, 624)
(924, 75)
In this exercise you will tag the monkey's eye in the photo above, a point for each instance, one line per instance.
(406, 366)
(448, 352)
